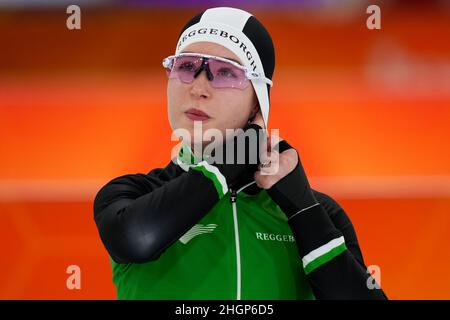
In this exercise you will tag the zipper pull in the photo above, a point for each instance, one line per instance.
(232, 195)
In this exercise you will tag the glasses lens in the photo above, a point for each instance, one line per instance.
(226, 75)
(184, 68)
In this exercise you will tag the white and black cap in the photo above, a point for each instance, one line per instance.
(241, 33)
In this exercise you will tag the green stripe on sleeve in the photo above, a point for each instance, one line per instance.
(326, 257)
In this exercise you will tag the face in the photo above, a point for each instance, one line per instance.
(227, 108)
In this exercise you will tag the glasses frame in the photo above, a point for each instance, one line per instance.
(250, 75)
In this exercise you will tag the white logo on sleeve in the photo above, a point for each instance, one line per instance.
(197, 230)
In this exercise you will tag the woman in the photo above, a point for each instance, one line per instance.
(203, 229)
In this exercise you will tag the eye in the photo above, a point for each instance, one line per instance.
(186, 66)
(226, 72)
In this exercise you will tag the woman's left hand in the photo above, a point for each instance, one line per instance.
(278, 164)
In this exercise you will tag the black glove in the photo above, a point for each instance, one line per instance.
(292, 193)
(245, 147)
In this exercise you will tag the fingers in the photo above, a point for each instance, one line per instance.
(274, 141)
(269, 157)
(263, 181)
(272, 153)
(269, 163)
(263, 152)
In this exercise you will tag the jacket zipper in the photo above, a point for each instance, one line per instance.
(233, 196)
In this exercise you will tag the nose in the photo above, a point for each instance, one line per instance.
(200, 86)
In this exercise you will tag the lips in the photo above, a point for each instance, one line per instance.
(196, 114)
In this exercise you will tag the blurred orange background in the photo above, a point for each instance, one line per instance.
(367, 109)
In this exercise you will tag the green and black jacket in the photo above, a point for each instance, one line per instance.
(186, 232)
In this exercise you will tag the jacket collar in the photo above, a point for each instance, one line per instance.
(186, 159)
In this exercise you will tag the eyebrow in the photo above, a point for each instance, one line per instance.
(238, 62)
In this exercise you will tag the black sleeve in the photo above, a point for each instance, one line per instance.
(139, 216)
(325, 238)
(345, 276)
